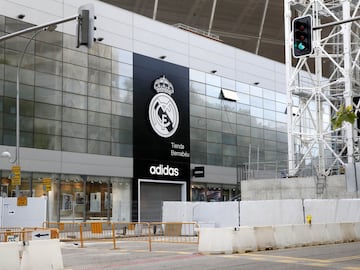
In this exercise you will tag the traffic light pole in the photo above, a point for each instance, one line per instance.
(39, 27)
(336, 23)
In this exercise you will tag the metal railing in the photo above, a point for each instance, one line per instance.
(279, 169)
(115, 232)
(25, 234)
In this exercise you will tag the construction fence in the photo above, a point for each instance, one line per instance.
(166, 232)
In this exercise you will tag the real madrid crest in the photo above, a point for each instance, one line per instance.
(163, 112)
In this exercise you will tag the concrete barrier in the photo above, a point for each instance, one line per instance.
(42, 254)
(216, 240)
(244, 239)
(284, 236)
(264, 237)
(357, 231)
(9, 255)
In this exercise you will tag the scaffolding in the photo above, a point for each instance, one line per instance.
(319, 84)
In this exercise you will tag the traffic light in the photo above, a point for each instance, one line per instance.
(302, 34)
(85, 26)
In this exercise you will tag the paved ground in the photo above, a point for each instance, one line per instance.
(136, 256)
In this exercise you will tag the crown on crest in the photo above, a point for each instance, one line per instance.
(163, 85)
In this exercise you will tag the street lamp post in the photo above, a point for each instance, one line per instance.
(16, 159)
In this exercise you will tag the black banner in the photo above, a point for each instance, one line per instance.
(161, 132)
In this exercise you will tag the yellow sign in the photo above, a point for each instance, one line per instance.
(16, 176)
(47, 184)
(22, 201)
(96, 227)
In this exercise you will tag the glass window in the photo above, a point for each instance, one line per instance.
(213, 102)
(256, 101)
(48, 96)
(75, 115)
(214, 148)
(48, 111)
(229, 150)
(74, 130)
(47, 126)
(99, 119)
(46, 65)
(213, 136)
(100, 49)
(269, 94)
(99, 77)
(197, 87)
(198, 146)
(213, 114)
(243, 119)
(48, 50)
(213, 91)
(213, 79)
(229, 128)
(269, 104)
(257, 133)
(229, 139)
(48, 81)
(121, 95)
(75, 86)
(74, 145)
(198, 134)
(270, 115)
(197, 99)
(228, 117)
(75, 57)
(243, 130)
(280, 107)
(121, 136)
(256, 91)
(197, 110)
(280, 97)
(75, 101)
(99, 133)
(242, 88)
(75, 72)
(122, 55)
(257, 112)
(196, 75)
(121, 150)
(99, 63)
(244, 98)
(213, 125)
(99, 105)
(25, 91)
(122, 82)
(100, 91)
(121, 122)
(197, 122)
(122, 69)
(45, 141)
(213, 159)
(228, 84)
(26, 76)
(122, 109)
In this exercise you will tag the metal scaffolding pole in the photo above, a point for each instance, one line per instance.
(320, 83)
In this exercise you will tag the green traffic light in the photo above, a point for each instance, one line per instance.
(300, 46)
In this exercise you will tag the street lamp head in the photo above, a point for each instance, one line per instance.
(6, 154)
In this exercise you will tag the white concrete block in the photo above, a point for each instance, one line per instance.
(265, 237)
(216, 240)
(244, 240)
(9, 258)
(44, 254)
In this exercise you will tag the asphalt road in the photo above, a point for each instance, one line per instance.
(136, 256)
